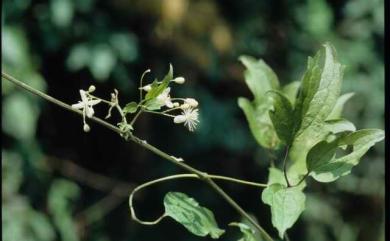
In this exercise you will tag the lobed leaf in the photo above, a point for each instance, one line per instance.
(195, 218)
(322, 162)
(260, 78)
(287, 203)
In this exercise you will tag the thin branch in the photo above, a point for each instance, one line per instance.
(151, 148)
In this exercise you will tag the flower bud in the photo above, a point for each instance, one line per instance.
(179, 80)
(192, 102)
(147, 88)
(184, 106)
(91, 88)
(176, 104)
(86, 127)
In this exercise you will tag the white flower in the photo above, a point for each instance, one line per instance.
(191, 102)
(164, 98)
(179, 80)
(86, 104)
(189, 117)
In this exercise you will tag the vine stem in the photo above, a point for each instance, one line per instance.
(202, 175)
(178, 176)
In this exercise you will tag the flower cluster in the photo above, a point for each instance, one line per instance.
(157, 100)
(187, 107)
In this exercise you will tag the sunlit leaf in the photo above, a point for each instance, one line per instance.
(325, 166)
(286, 205)
(320, 90)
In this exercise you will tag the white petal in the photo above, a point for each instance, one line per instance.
(179, 119)
(192, 102)
(89, 112)
(169, 103)
(79, 105)
(83, 96)
(93, 102)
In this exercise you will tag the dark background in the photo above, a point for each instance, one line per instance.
(60, 183)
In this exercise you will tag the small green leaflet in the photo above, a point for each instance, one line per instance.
(281, 117)
(248, 234)
(195, 218)
(322, 162)
(158, 88)
(260, 78)
(287, 204)
(131, 107)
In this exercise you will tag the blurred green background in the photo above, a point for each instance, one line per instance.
(59, 183)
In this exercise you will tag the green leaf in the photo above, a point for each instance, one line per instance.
(291, 91)
(286, 205)
(325, 166)
(281, 117)
(260, 123)
(320, 89)
(131, 107)
(248, 234)
(195, 218)
(338, 108)
(156, 88)
(339, 125)
(259, 76)
(276, 175)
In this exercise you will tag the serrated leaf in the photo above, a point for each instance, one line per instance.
(339, 125)
(158, 88)
(260, 123)
(291, 91)
(322, 162)
(338, 108)
(248, 234)
(131, 107)
(195, 218)
(320, 89)
(281, 117)
(286, 205)
(259, 76)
